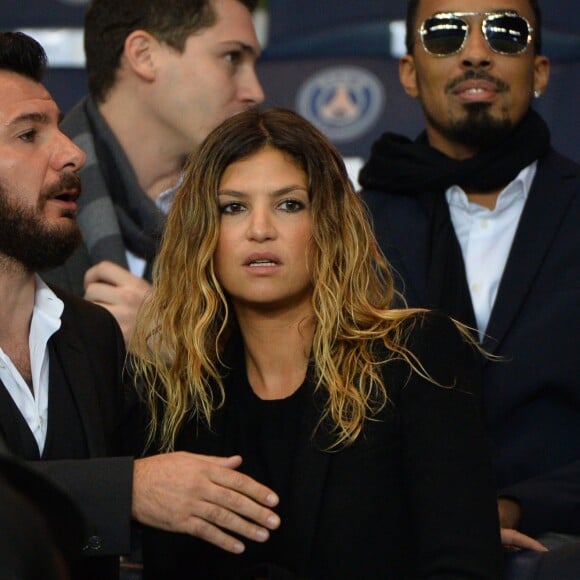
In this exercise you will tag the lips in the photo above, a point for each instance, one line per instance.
(71, 195)
(476, 86)
(64, 193)
(476, 90)
(262, 260)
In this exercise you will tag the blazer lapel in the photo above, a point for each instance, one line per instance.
(407, 247)
(548, 201)
(70, 348)
(13, 429)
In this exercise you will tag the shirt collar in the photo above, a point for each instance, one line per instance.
(520, 186)
(165, 198)
(47, 305)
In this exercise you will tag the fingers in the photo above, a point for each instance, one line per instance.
(513, 540)
(119, 291)
(110, 273)
(215, 521)
(510, 512)
(237, 487)
(203, 496)
(233, 462)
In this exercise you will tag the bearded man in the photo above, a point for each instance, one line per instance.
(62, 401)
(479, 217)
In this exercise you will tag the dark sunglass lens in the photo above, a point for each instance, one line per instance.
(507, 34)
(443, 36)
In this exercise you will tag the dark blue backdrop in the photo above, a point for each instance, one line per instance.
(331, 60)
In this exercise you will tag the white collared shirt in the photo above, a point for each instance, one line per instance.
(45, 322)
(486, 236)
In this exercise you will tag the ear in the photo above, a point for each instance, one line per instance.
(541, 73)
(139, 53)
(408, 75)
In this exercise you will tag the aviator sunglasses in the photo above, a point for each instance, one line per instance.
(445, 34)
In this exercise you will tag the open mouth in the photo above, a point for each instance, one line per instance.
(67, 196)
(261, 263)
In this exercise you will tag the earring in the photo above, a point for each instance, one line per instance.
(537, 94)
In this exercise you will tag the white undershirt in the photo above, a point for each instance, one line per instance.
(45, 322)
(486, 237)
(137, 265)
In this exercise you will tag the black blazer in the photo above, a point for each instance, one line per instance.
(412, 497)
(531, 397)
(90, 346)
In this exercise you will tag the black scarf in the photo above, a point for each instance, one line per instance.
(400, 166)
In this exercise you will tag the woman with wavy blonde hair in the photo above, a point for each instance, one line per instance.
(270, 334)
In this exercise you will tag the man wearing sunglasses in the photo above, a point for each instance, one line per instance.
(479, 217)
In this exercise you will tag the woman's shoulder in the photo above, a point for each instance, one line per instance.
(439, 348)
(433, 331)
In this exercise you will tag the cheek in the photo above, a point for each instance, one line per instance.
(224, 252)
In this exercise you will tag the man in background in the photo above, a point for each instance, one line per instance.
(162, 74)
(479, 217)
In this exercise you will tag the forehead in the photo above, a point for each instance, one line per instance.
(233, 24)
(268, 160)
(20, 95)
(429, 7)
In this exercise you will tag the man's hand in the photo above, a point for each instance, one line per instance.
(203, 496)
(512, 540)
(119, 291)
(510, 514)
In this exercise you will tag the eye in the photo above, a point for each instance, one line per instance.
(292, 205)
(232, 208)
(28, 136)
(234, 56)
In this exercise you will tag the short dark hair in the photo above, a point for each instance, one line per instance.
(23, 55)
(109, 22)
(412, 25)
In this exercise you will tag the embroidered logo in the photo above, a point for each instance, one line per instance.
(342, 101)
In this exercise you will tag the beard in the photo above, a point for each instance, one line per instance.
(27, 238)
(478, 128)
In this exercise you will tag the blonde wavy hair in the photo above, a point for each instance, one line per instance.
(185, 324)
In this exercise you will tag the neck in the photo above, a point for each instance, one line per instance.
(17, 289)
(487, 199)
(157, 159)
(277, 351)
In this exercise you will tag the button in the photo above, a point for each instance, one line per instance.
(483, 223)
(94, 543)
(475, 288)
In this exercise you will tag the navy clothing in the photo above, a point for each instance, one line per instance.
(532, 394)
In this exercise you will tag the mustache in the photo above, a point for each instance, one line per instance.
(475, 75)
(67, 181)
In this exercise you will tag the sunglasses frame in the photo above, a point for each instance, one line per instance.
(487, 16)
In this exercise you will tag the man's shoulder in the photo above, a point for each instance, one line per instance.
(563, 165)
(82, 311)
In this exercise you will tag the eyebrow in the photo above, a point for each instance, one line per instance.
(275, 194)
(41, 118)
(246, 48)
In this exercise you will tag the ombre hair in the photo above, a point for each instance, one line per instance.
(185, 324)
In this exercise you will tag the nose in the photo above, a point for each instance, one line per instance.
(251, 91)
(260, 225)
(476, 53)
(67, 155)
